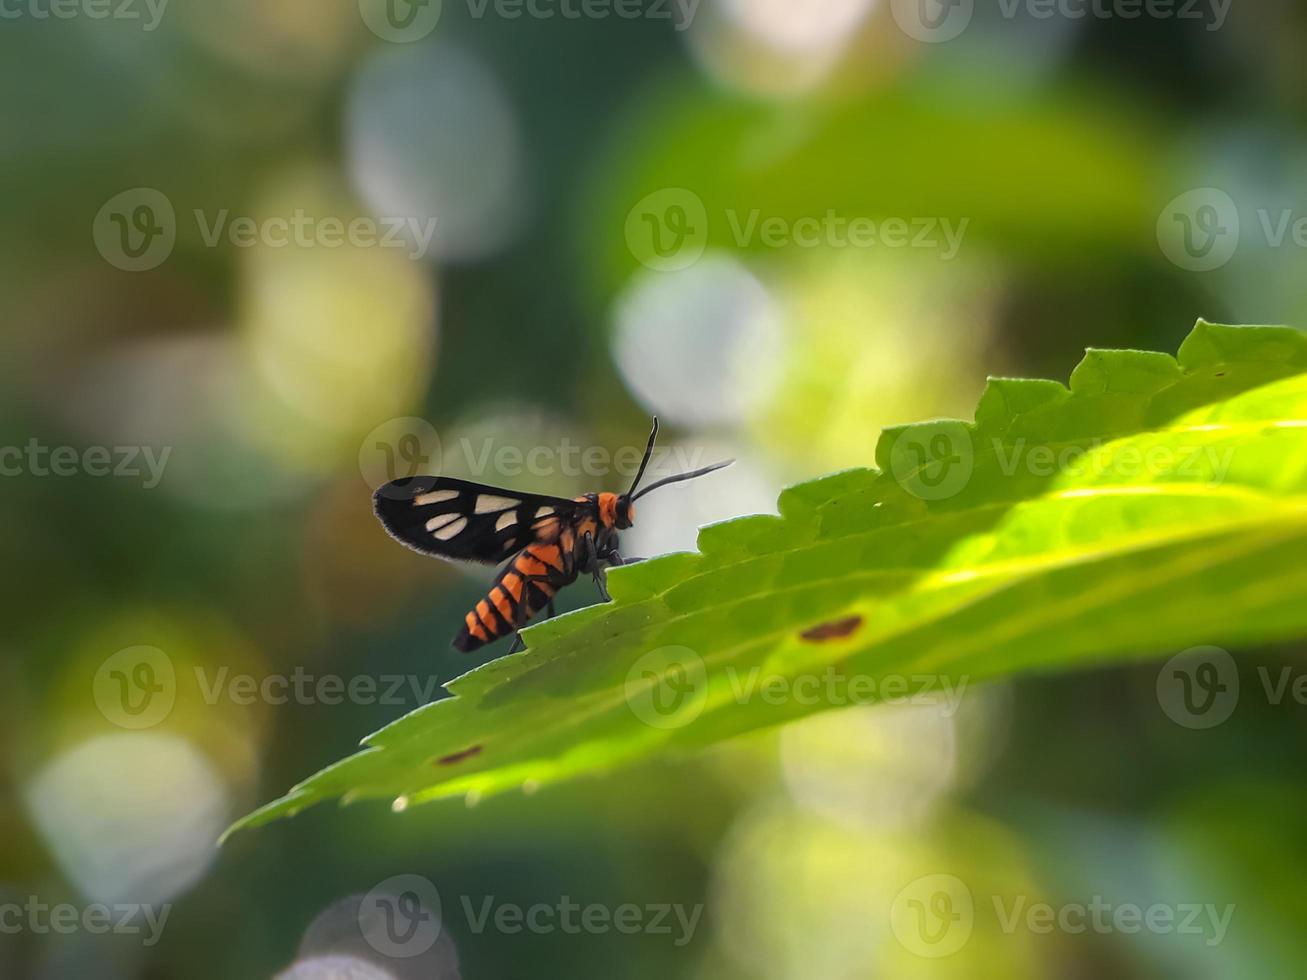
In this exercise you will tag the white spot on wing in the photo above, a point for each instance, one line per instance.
(488, 503)
(434, 497)
(543, 512)
(507, 519)
(442, 520)
(451, 530)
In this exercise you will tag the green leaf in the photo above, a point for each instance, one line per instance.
(743, 161)
(1155, 504)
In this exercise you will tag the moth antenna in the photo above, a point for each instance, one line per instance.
(648, 452)
(682, 476)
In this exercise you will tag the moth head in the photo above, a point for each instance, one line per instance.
(625, 512)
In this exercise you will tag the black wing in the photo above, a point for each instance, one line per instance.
(458, 519)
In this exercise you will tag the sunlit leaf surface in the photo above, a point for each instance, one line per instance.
(1154, 504)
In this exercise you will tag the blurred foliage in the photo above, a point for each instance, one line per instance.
(272, 386)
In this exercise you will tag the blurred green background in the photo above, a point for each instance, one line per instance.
(778, 225)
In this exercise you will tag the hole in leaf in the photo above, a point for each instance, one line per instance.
(834, 630)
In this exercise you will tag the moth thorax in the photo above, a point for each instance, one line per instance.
(607, 509)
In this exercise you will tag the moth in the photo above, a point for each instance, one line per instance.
(546, 542)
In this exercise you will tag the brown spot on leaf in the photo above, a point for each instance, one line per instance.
(834, 630)
(449, 760)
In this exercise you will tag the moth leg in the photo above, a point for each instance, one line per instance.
(590, 561)
(550, 611)
(601, 573)
(518, 644)
(601, 583)
(588, 553)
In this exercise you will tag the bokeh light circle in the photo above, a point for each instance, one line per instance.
(812, 25)
(430, 136)
(702, 346)
(132, 816)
